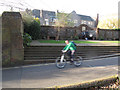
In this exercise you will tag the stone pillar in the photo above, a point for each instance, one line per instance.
(12, 42)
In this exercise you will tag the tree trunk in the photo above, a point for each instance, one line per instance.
(58, 33)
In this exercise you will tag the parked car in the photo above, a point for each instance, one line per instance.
(90, 34)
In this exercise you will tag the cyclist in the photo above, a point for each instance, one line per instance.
(71, 48)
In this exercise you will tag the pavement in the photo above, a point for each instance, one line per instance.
(37, 43)
(48, 75)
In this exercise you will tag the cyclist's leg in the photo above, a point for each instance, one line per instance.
(72, 55)
(69, 54)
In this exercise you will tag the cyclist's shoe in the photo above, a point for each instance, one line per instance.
(71, 61)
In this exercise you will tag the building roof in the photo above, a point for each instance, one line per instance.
(48, 11)
(84, 17)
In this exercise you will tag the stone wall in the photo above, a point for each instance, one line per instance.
(12, 42)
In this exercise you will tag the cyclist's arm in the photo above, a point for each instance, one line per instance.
(64, 47)
(67, 47)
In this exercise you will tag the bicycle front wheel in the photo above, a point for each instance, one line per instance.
(60, 64)
(78, 61)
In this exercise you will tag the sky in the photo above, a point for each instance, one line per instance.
(84, 7)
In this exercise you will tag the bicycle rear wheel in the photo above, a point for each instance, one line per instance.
(78, 61)
(60, 64)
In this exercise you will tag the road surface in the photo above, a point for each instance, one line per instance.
(48, 75)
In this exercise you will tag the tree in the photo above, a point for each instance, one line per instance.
(62, 21)
(27, 20)
(27, 17)
(109, 23)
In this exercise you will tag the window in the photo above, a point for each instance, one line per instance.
(54, 20)
(51, 19)
(89, 23)
(83, 28)
(46, 22)
(83, 22)
(75, 21)
(69, 20)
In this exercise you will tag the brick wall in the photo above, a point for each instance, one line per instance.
(50, 32)
(108, 34)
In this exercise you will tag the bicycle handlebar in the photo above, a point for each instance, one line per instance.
(63, 52)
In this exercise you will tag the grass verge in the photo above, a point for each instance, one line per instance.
(63, 41)
(76, 41)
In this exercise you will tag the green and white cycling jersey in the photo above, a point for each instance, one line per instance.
(70, 46)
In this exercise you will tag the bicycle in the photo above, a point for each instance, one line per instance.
(61, 61)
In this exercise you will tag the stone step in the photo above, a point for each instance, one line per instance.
(40, 61)
(59, 49)
(49, 54)
(54, 57)
(57, 54)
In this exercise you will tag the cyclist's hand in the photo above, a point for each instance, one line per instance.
(63, 51)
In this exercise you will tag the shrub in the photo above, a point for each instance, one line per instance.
(31, 25)
(76, 38)
(34, 30)
(27, 39)
(101, 38)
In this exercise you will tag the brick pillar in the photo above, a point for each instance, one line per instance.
(12, 42)
(105, 35)
(97, 33)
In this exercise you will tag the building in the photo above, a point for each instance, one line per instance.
(36, 13)
(49, 18)
(46, 17)
(81, 19)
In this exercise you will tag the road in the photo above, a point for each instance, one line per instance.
(48, 75)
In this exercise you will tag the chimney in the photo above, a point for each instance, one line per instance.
(57, 11)
(97, 20)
